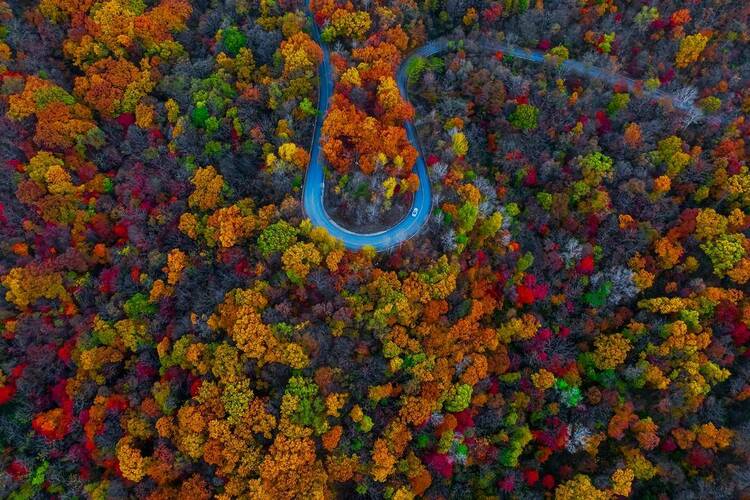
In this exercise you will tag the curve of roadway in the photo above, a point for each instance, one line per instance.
(314, 188)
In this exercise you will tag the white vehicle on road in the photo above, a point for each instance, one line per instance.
(414, 212)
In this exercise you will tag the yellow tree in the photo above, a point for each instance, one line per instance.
(298, 259)
(208, 185)
(690, 50)
(301, 54)
(114, 86)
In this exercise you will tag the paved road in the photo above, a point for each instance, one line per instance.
(314, 188)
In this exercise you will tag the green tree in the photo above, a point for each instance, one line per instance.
(414, 69)
(310, 410)
(618, 102)
(138, 306)
(277, 237)
(199, 115)
(467, 215)
(233, 40)
(525, 117)
(307, 107)
(491, 225)
(596, 166)
(459, 398)
(725, 252)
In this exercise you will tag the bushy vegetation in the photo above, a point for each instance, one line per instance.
(573, 321)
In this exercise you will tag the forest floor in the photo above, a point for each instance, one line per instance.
(356, 211)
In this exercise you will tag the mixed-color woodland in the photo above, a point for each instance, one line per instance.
(572, 323)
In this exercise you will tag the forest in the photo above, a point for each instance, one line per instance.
(571, 322)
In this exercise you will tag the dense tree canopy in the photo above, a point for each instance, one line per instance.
(572, 322)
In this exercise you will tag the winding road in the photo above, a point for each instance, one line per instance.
(314, 188)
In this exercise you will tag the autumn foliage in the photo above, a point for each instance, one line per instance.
(572, 322)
